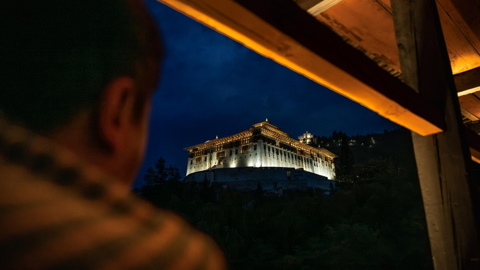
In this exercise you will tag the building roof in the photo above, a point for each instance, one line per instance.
(271, 127)
(265, 129)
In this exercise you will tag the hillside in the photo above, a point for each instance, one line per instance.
(375, 219)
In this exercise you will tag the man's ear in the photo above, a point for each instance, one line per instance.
(115, 112)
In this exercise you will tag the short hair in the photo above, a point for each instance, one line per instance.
(59, 55)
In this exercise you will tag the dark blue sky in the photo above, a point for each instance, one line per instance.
(212, 85)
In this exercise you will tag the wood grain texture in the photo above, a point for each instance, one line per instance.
(465, 14)
(368, 24)
(282, 31)
(470, 103)
(462, 53)
(467, 80)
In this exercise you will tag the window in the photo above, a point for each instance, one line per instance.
(221, 155)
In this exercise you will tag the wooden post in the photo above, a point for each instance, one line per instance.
(443, 160)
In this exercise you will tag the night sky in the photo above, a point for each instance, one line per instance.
(212, 85)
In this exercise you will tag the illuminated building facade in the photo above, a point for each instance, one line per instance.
(262, 146)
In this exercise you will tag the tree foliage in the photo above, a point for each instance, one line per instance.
(161, 173)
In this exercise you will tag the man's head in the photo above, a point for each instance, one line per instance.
(81, 72)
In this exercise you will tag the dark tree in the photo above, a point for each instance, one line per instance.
(345, 160)
(173, 174)
(161, 170)
(161, 174)
(150, 177)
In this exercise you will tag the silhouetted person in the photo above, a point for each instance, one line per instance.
(77, 80)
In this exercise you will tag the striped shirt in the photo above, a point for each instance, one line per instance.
(57, 212)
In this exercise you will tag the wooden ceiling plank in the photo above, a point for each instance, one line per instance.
(352, 19)
(465, 14)
(462, 54)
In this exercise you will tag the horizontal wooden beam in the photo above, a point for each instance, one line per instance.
(473, 139)
(467, 82)
(307, 4)
(316, 7)
(282, 31)
(474, 143)
(471, 104)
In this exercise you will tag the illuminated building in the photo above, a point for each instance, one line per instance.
(262, 146)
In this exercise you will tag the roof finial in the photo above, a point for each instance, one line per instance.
(216, 137)
(266, 120)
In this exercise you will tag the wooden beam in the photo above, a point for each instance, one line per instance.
(471, 104)
(468, 82)
(474, 142)
(471, 117)
(316, 7)
(443, 160)
(475, 127)
(307, 4)
(282, 31)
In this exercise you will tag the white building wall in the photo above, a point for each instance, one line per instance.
(260, 154)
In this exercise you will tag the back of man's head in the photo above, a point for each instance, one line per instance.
(57, 56)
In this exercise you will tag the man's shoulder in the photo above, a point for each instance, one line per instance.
(56, 212)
